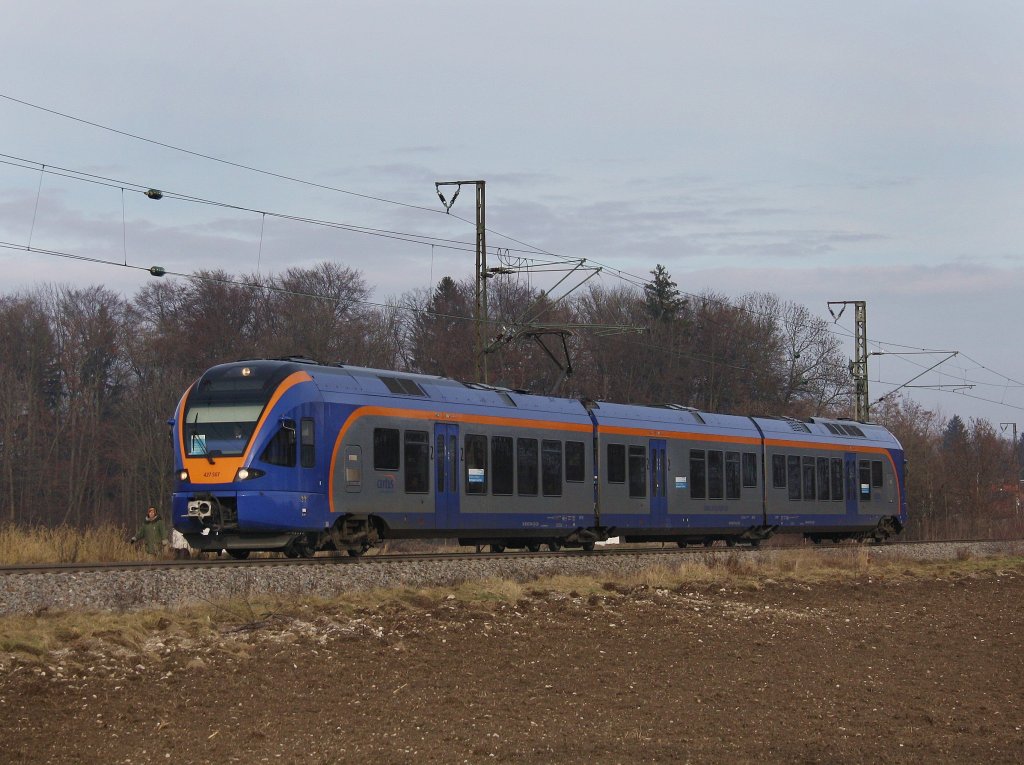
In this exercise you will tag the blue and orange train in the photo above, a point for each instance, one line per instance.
(293, 456)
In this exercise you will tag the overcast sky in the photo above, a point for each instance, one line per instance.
(820, 151)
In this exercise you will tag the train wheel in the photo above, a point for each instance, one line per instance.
(533, 547)
(709, 542)
(588, 547)
(239, 554)
(554, 546)
(681, 544)
(730, 542)
(300, 548)
(497, 548)
(355, 552)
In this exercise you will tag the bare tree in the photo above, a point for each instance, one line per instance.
(811, 376)
(29, 390)
(87, 330)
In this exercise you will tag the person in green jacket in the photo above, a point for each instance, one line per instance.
(153, 532)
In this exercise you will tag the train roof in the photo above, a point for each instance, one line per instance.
(824, 428)
(344, 378)
(671, 417)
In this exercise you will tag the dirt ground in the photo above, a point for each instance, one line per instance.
(922, 666)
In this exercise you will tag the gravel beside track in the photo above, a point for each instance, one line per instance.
(120, 590)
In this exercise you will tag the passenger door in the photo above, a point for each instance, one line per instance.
(446, 474)
(852, 485)
(659, 473)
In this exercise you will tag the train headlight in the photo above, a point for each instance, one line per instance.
(247, 474)
(182, 475)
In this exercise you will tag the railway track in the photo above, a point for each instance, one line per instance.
(50, 588)
(336, 559)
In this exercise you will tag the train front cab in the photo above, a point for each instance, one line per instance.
(833, 480)
(249, 472)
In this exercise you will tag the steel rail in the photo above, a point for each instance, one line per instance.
(387, 558)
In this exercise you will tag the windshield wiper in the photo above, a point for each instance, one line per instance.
(209, 457)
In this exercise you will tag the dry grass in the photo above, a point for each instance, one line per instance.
(35, 636)
(32, 638)
(63, 544)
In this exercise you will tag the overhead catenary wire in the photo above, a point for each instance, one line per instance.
(456, 245)
(626, 276)
(206, 276)
(536, 265)
(210, 157)
(451, 244)
(239, 165)
(410, 309)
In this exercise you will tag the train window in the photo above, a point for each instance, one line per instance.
(750, 470)
(698, 474)
(402, 385)
(353, 468)
(526, 466)
(732, 475)
(824, 483)
(716, 475)
(779, 471)
(637, 471)
(865, 481)
(417, 462)
(808, 473)
(392, 384)
(307, 443)
(575, 461)
(551, 468)
(281, 449)
(876, 473)
(793, 475)
(502, 465)
(219, 430)
(476, 464)
(385, 449)
(837, 479)
(616, 467)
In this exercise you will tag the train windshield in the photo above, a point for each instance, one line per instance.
(219, 430)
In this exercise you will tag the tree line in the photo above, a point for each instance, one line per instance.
(88, 377)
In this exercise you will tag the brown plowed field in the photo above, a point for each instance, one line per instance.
(922, 666)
